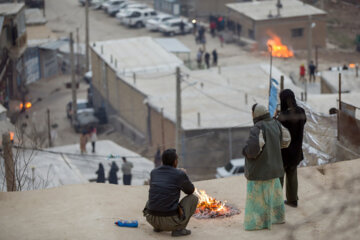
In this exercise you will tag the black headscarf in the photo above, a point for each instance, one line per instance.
(287, 99)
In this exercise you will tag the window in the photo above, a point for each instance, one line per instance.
(135, 14)
(228, 167)
(251, 34)
(239, 170)
(297, 32)
(146, 14)
(153, 13)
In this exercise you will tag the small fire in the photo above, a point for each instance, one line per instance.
(352, 65)
(209, 207)
(27, 105)
(276, 47)
(11, 136)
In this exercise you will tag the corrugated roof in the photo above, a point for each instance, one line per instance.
(259, 10)
(136, 55)
(172, 45)
(7, 9)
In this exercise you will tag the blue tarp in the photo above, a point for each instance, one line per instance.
(273, 100)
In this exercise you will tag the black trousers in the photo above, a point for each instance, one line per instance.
(291, 183)
(127, 179)
(93, 146)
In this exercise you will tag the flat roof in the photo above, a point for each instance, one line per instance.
(259, 10)
(349, 81)
(7, 9)
(172, 45)
(323, 102)
(136, 55)
(34, 16)
(219, 98)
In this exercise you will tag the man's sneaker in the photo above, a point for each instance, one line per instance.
(179, 233)
(291, 204)
(157, 230)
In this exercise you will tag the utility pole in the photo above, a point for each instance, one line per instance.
(73, 81)
(77, 52)
(162, 130)
(309, 42)
(44, 15)
(178, 113)
(49, 127)
(339, 111)
(9, 163)
(87, 61)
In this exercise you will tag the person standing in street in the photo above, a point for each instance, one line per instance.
(163, 211)
(113, 179)
(182, 27)
(157, 158)
(199, 57)
(83, 141)
(215, 57)
(93, 139)
(302, 73)
(207, 60)
(263, 168)
(126, 170)
(293, 118)
(312, 69)
(100, 174)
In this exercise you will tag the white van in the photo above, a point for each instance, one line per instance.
(138, 17)
(234, 168)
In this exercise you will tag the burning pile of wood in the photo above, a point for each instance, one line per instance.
(209, 207)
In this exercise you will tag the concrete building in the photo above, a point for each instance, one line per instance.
(293, 22)
(216, 107)
(13, 40)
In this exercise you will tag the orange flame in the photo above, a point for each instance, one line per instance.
(276, 47)
(11, 136)
(208, 203)
(352, 65)
(27, 105)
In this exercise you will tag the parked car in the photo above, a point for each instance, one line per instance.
(233, 168)
(154, 23)
(85, 121)
(114, 7)
(82, 2)
(88, 77)
(82, 106)
(127, 9)
(172, 26)
(97, 4)
(106, 4)
(138, 17)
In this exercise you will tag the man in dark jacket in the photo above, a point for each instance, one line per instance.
(293, 118)
(163, 210)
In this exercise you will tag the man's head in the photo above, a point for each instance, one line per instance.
(124, 159)
(258, 110)
(170, 158)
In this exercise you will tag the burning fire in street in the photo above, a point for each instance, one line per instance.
(27, 105)
(209, 207)
(276, 47)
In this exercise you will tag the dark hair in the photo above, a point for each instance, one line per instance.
(169, 156)
(124, 159)
(333, 111)
(253, 107)
(287, 99)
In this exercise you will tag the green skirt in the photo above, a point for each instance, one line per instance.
(264, 204)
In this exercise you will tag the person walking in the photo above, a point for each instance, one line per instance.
(113, 179)
(263, 168)
(302, 73)
(93, 139)
(293, 118)
(182, 27)
(199, 57)
(157, 158)
(312, 69)
(212, 28)
(83, 142)
(207, 60)
(100, 174)
(126, 170)
(215, 57)
(163, 211)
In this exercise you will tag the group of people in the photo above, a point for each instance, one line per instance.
(272, 152)
(201, 53)
(113, 178)
(85, 137)
(312, 71)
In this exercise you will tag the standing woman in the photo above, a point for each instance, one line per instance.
(100, 174)
(293, 118)
(263, 168)
(93, 139)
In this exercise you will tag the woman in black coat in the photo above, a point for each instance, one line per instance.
(113, 173)
(293, 118)
(100, 174)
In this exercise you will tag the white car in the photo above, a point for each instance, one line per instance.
(127, 9)
(138, 17)
(234, 168)
(106, 4)
(97, 4)
(172, 26)
(153, 24)
(114, 7)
